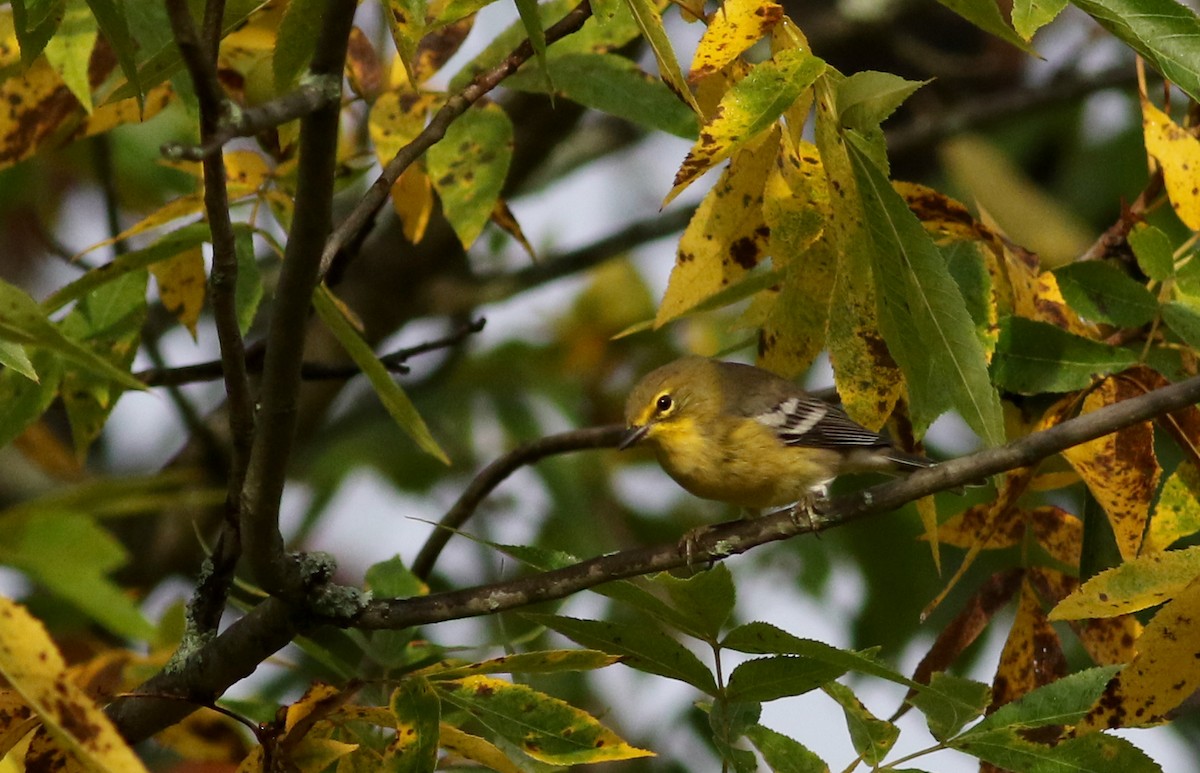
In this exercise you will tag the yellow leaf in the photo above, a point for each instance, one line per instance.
(1143, 582)
(246, 172)
(1120, 469)
(476, 749)
(412, 198)
(1162, 675)
(396, 118)
(1058, 532)
(927, 509)
(35, 668)
(1177, 152)
(1177, 513)
(1032, 654)
(313, 755)
(868, 379)
(317, 701)
(1111, 640)
(181, 285)
(732, 28)
(40, 111)
(793, 327)
(749, 108)
(169, 212)
(726, 237)
(16, 720)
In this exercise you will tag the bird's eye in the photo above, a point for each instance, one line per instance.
(664, 404)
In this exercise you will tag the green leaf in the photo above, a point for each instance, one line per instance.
(543, 727)
(391, 579)
(1153, 250)
(22, 401)
(70, 50)
(1092, 753)
(778, 676)
(249, 292)
(729, 720)
(528, 11)
(71, 556)
(1029, 16)
(611, 84)
(872, 737)
(110, 16)
(705, 599)
(297, 37)
(922, 314)
(1164, 32)
(1100, 292)
(390, 394)
(468, 167)
(14, 356)
(23, 321)
(642, 647)
(986, 16)
(1184, 321)
(108, 321)
(417, 710)
(1062, 702)
(765, 639)
(1035, 357)
(35, 23)
(866, 98)
(783, 754)
(166, 61)
(949, 702)
(649, 20)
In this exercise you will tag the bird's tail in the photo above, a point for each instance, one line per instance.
(906, 462)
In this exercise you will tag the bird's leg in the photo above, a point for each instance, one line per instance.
(806, 507)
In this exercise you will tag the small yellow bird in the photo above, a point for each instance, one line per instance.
(743, 435)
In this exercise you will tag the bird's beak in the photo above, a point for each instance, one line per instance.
(633, 436)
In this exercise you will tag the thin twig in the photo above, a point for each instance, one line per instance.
(309, 371)
(363, 213)
(298, 277)
(495, 473)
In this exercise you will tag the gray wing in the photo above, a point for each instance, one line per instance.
(803, 420)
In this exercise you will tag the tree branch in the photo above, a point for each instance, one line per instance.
(311, 222)
(362, 214)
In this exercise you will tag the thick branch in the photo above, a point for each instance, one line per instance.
(739, 536)
(362, 214)
(205, 676)
(312, 217)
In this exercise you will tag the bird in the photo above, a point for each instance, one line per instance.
(742, 435)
